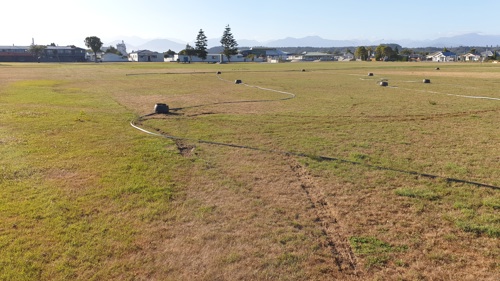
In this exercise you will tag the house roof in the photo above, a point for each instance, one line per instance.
(62, 47)
(13, 47)
(144, 52)
(487, 54)
(316, 54)
(46, 47)
(275, 53)
(444, 54)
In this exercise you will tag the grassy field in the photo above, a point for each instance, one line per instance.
(348, 180)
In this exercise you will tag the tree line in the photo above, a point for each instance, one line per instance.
(392, 53)
(382, 52)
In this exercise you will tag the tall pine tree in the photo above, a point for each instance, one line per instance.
(201, 45)
(229, 44)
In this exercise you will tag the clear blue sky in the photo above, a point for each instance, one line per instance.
(66, 22)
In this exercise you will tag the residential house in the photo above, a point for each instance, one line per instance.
(442, 57)
(15, 54)
(489, 54)
(91, 56)
(145, 56)
(110, 57)
(260, 54)
(235, 58)
(276, 56)
(471, 57)
(104, 56)
(49, 54)
(312, 56)
(211, 58)
(415, 57)
(345, 57)
(63, 54)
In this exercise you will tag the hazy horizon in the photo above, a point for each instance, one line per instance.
(63, 23)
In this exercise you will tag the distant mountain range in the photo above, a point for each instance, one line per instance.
(162, 45)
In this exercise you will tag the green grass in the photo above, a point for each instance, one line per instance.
(478, 215)
(490, 230)
(369, 245)
(376, 252)
(418, 193)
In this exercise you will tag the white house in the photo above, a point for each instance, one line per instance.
(274, 56)
(345, 57)
(235, 58)
(211, 58)
(311, 56)
(110, 57)
(145, 56)
(442, 57)
(472, 57)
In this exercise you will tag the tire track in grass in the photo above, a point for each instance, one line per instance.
(327, 216)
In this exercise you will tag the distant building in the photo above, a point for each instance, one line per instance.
(415, 57)
(15, 54)
(442, 57)
(234, 58)
(259, 54)
(211, 58)
(275, 56)
(63, 54)
(471, 57)
(490, 54)
(122, 48)
(145, 56)
(110, 57)
(105, 56)
(91, 56)
(344, 57)
(486, 54)
(312, 56)
(50, 54)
